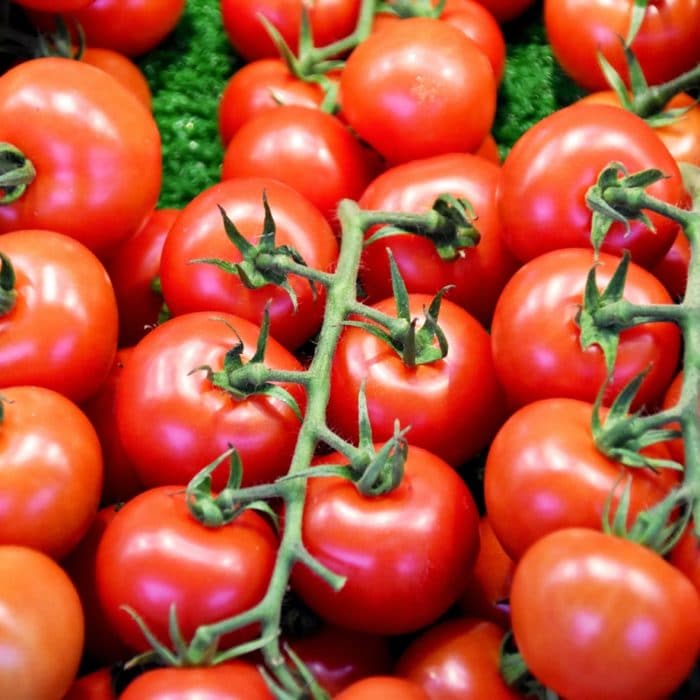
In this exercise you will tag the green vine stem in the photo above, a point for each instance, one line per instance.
(654, 98)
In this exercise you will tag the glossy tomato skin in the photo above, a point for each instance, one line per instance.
(666, 44)
(54, 5)
(672, 269)
(671, 398)
(259, 86)
(545, 177)
(544, 473)
(479, 273)
(504, 10)
(235, 680)
(685, 556)
(613, 608)
(198, 232)
(382, 687)
(173, 422)
(62, 289)
(419, 88)
(165, 557)
(41, 626)
(305, 148)
(457, 660)
(93, 686)
(132, 269)
(406, 554)
(50, 473)
(453, 406)
(95, 148)
(535, 339)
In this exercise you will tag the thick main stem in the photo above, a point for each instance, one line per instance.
(655, 98)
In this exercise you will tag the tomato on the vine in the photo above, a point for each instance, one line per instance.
(382, 687)
(96, 685)
(685, 556)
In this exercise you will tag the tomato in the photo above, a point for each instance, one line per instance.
(438, 400)
(672, 269)
(174, 421)
(50, 473)
(544, 473)
(504, 10)
(260, 86)
(330, 21)
(479, 273)
(671, 398)
(54, 5)
(62, 289)
(132, 268)
(93, 686)
(419, 88)
(406, 554)
(535, 339)
(382, 687)
(95, 149)
(199, 233)
(489, 150)
(165, 557)
(682, 137)
(235, 680)
(41, 626)
(685, 556)
(307, 149)
(102, 645)
(545, 177)
(457, 660)
(596, 617)
(339, 657)
(666, 44)
(488, 587)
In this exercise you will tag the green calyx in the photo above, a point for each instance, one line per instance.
(412, 8)
(8, 293)
(16, 173)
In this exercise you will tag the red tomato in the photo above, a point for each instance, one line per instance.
(535, 338)
(93, 686)
(95, 148)
(41, 626)
(489, 150)
(199, 233)
(173, 422)
(62, 289)
(330, 20)
(339, 657)
(419, 88)
(454, 405)
(51, 473)
(258, 87)
(546, 175)
(479, 273)
(381, 688)
(235, 680)
(686, 556)
(165, 557)
(132, 269)
(307, 149)
(671, 397)
(682, 137)
(102, 645)
(406, 554)
(672, 269)
(544, 473)
(457, 660)
(666, 44)
(488, 587)
(624, 620)
(504, 10)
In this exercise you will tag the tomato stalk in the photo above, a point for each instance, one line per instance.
(16, 173)
(8, 293)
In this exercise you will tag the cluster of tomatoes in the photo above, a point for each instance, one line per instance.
(124, 330)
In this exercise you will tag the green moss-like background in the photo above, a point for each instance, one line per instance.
(189, 71)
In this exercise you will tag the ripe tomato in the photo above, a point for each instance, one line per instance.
(666, 44)
(544, 473)
(93, 686)
(535, 338)
(437, 399)
(504, 10)
(307, 149)
(41, 626)
(62, 289)
(235, 680)
(599, 617)
(50, 473)
(457, 660)
(165, 557)
(54, 5)
(199, 233)
(260, 86)
(330, 20)
(671, 397)
(382, 687)
(672, 269)
(95, 148)
(686, 556)
(173, 421)
(479, 273)
(419, 88)
(545, 177)
(406, 554)
(132, 269)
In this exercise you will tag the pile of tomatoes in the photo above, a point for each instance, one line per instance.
(486, 572)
